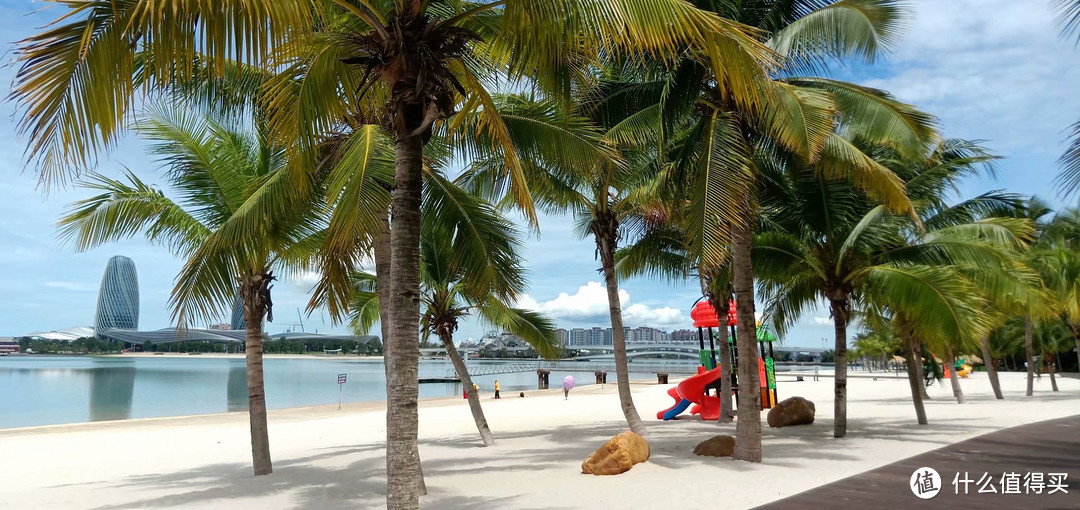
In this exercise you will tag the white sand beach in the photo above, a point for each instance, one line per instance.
(326, 458)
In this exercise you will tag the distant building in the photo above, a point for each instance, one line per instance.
(683, 336)
(237, 321)
(118, 298)
(578, 338)
(8, 345)
(67, 334)
(117, 316)
(563, 336)
(644, 335)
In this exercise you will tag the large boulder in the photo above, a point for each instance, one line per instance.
(719, 446)
(792, 411)
(617, 455)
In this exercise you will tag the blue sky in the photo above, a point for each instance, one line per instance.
(994, 70)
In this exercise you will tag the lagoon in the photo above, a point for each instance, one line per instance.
(51, 390)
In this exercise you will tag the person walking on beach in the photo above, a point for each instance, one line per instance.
(497, 388)
(567, 385)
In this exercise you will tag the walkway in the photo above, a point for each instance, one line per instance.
(1044, 447)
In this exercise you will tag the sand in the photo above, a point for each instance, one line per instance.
(325, 458)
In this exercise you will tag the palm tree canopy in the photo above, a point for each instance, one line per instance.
(823, 240)
(228, 219)
(470, 265)
(79, 79)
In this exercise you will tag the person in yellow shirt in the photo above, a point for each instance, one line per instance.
(497, 388)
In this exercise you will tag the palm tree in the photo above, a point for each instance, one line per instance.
(230, 224)
(598, 191)
(826, 241)
(404, 64)
(1057, 258)
(720, 146)
(460, 234)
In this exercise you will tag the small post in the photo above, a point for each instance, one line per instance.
(340, 383)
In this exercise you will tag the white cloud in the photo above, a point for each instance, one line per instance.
(643, 315)
(990, 69)
(823, 321)
(589, 305)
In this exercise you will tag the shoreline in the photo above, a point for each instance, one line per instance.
(325, 458)
(284, 413)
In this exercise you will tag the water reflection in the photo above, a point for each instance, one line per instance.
(111, 391)
(236, 392)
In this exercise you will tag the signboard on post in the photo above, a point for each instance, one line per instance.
(340, 381)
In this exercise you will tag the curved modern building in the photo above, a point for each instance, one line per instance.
(118, 299)
(238, 322)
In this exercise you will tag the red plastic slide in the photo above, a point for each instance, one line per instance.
(692, 389)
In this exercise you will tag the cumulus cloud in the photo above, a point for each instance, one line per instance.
(589, 306)
(823, 321)
(991, 69)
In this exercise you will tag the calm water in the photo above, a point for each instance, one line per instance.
(53, 390)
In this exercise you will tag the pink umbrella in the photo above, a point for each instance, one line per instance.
(567, 385)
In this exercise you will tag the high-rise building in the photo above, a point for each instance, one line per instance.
(578, 337)
(563, 336)
(237, 320)
(597, 336)
(118, 298)
(644, 335)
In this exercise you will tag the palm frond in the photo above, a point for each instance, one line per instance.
(864, 29)
(124, 210)
(75, 81)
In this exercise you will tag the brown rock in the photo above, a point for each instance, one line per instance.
(792, 411)
(617, 455)
(719, 446)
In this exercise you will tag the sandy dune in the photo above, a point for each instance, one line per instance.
(325, 458)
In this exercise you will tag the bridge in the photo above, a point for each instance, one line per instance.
(575, 366)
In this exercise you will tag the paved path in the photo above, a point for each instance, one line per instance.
(1044, 447)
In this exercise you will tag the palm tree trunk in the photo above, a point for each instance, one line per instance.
(403, 478)
(605, 242)
(1029, 355)
(466, 380)
(748, 428)
(1050, 368)
(381, 251)
(915, 380)
(254, 311)
(954, 378)
(1075, 327)
(920, 370)
(991, 370)
(726, 413)
(840, 311)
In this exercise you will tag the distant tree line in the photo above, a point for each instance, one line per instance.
(365, 346)
(85, 345)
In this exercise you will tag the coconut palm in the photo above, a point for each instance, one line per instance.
(403, 64)
(720, 147)
(598, 191)
(1057, 258)
(1068, 180)
(230, 224)
(458, 227)
(826, 241)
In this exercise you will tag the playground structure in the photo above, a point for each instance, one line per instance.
(693, 392)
